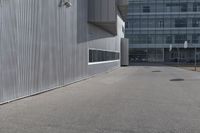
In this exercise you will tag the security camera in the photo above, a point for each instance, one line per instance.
(67, 4)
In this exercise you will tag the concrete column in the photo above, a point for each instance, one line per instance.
(124, 52)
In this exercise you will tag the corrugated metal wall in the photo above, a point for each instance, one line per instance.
(102, 10)
(37, 46)
(43, 46)
(100, 39)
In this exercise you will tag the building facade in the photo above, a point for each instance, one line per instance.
(153, 26)
(45, 45)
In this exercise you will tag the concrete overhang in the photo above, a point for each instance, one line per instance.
(103, 14)
(110, 27)
(123, 8)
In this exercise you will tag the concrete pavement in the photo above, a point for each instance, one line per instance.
(126, 100)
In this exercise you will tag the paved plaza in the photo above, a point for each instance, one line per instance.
(137, 99)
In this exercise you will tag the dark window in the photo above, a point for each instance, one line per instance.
(181, 22)
(161, 23)
(126, 25)
(195, 38)
(196, 7)
(169, 39)
(146, 9)
(180, 7)
(143, 39)
(149, 39)
(180, 39)
(172, 4)
(184, 7)
(195, 22)
(99, 55)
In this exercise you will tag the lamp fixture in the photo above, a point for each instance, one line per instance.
(65, 3)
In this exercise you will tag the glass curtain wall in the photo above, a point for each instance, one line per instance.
(154, 25)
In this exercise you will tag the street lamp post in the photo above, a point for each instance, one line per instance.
(178, 52)
(195, 54)
(186, 46)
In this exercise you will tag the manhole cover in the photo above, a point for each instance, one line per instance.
(177, 80)
(157, 71)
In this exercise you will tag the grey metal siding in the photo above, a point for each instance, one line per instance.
(105, 41)
(44, 46)
(102, 10)
(124, 52)
(37, 46)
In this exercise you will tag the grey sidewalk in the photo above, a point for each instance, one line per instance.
(127, 100)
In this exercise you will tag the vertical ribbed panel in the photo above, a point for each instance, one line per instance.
(102, 11)
(44, 46)
(37, 46)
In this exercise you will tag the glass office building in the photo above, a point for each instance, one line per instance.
(154, 25)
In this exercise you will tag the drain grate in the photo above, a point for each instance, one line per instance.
(177, 80)
(157, 71)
